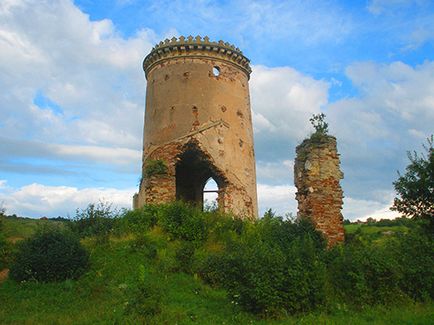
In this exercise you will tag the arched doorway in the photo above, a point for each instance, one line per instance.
(193, 172)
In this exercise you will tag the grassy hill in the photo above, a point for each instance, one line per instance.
(108, 292)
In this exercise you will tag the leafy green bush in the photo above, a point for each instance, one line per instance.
(139, 221)
(365, 275)
(184, 222)
(6, 254)
(145, 300)
(184, 256)
(145, 245)
(50, 255)
(95, 220)
(212, 268)
(272, 268)
(155, 167)
(414, 254)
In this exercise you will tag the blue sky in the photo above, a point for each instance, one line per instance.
(72, 105)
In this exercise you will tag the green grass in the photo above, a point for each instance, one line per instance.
(102, 295)
(369, 229)
(21, 228)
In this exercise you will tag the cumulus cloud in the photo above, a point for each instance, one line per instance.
(84, 66)
(80, 153)
(392, 114)
(275, 172)
(37, 200)
(283, 99)
(279, 198)
(359, 209)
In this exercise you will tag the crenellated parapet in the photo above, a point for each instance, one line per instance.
(195, 46)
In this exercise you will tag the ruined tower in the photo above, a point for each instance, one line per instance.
(319, 194)
(198, 125)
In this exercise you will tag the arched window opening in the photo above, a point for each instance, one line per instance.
(197, 180)
(210, 195)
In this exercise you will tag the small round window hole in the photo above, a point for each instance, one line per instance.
(216, 71)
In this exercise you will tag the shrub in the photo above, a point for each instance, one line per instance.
(155, 167)
(5, 252)
(145, 300)
(184, 256)
(414, 255)
(272, 268)
(50, 255)
(95, 220)
(145, 245)
(212, 268)
(364, 274)
(140, 220)
(184, 222)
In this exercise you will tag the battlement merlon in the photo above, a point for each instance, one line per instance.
(190, 46)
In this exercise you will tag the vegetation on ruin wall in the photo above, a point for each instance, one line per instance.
(155, 167)
(176, 264)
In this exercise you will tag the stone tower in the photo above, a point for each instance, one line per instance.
(198, 125)
(319, 195)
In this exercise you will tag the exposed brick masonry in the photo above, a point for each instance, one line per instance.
(319, 195)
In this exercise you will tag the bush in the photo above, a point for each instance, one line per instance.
(364, 274)
(145, 300)
(212, 268)
(140, 220)
(50, 255)
(184, 256)
(95, 220)
(145, 245)
(155, 167)
(272, 268)
(5, 252)
(414, 255)
(184, 222)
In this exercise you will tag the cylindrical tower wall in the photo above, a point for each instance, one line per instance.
(197, 92)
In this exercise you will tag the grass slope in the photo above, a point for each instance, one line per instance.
(103, 294)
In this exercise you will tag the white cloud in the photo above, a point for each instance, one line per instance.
(2, 183)
(394, 113)
(79, 153)
(37, 200)
(280, 198)
(283, 99)
(85, 67)
(359, 209)
(397, 88)
(281, 172)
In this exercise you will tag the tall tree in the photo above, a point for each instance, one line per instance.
(415, 189)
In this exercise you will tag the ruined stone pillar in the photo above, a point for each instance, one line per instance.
(319, 195)
(198, 125)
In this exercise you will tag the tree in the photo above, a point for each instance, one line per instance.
(415, 188)
(319, 123)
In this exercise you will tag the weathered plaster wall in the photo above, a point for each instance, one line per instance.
(186, 103)
(319, 194)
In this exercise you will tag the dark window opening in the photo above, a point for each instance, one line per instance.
(193, 173)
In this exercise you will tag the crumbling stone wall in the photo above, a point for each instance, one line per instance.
(198, 121)
(319, 194)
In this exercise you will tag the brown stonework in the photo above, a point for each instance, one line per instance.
(198, 122)
(319, 195)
